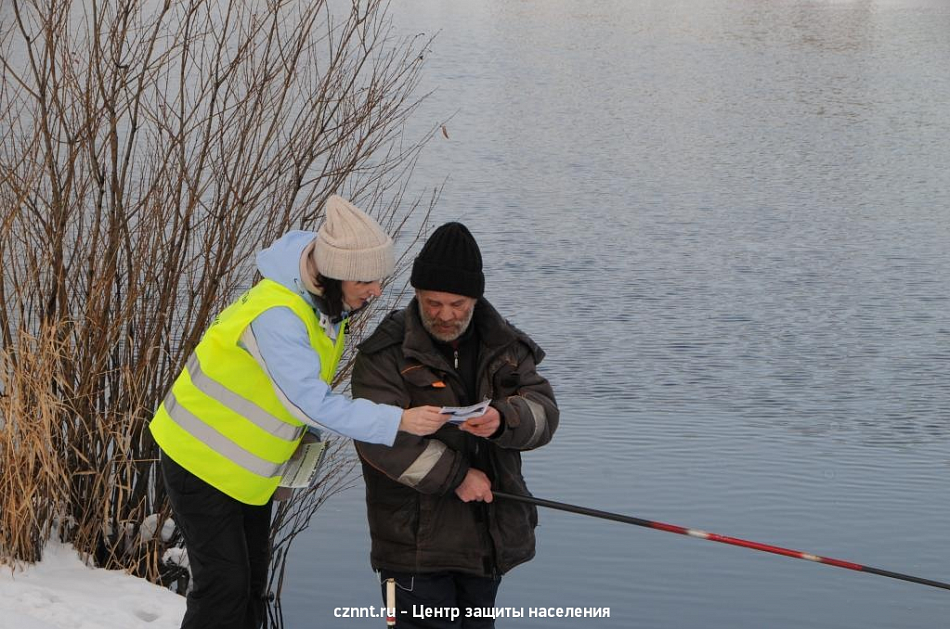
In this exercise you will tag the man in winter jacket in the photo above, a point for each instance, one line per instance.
(435, 528)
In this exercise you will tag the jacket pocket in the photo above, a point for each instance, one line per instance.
(394, 516)
(506, 381)
(425, 384)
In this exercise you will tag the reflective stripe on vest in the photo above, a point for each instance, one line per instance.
(218, 442)
(246, 408)
(224, 419)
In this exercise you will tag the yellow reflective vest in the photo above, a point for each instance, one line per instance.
(224, 420)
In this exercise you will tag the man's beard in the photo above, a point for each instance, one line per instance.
(458, 327)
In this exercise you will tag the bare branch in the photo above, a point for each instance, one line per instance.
(148, 151)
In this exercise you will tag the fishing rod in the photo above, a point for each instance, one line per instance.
(715, 537)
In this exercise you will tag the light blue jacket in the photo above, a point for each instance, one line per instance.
(294, 366)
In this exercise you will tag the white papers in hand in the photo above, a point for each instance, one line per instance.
(461, 413)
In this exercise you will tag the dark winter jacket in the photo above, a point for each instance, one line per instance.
(417, 523)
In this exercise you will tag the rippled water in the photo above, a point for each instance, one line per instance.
(727, 222)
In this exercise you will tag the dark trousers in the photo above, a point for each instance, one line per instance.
(416, 593)
(228, 545)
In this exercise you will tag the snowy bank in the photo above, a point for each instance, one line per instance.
(61, 592)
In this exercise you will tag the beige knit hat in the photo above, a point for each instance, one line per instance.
(350, 245)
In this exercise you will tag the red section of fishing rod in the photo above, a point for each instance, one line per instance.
(715, 537)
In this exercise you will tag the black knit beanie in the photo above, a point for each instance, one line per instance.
(450, 262)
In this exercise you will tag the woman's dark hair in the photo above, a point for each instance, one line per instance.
(332, 295)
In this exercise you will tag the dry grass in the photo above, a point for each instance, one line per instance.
(148, 151)
(34, 481)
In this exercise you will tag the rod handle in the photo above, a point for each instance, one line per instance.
(390, 602)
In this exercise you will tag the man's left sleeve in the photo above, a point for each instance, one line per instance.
(529, 413)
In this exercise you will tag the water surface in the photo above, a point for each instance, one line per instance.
(728, 225)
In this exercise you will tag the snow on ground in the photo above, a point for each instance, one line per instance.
(61, 592)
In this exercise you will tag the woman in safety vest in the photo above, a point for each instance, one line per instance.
(255, 384)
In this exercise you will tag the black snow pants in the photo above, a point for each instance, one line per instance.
(228, 545)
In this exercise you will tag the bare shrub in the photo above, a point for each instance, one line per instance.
(149, 149)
